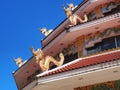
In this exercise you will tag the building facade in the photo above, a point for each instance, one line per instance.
(91, 52)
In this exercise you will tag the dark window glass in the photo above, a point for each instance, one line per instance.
(94, 49)
(69, 58)
(92, 16)
(108, 43)
(118, 40)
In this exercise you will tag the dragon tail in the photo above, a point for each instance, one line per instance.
(61, 59)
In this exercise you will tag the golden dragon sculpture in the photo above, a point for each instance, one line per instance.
(44, 61)
(74, 18)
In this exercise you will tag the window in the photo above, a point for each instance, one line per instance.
(71, 57)
(118, 41)
(92, 16)
(106, 44)
(94, 49)
(104, 10)
(111, 5)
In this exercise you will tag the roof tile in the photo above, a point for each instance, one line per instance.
(83, 62)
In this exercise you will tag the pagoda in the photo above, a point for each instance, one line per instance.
(81, 53)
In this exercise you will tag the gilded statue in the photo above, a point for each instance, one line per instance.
(44, 61)
(45, 31)
(74, 18)
(71, 6)
(19, 61)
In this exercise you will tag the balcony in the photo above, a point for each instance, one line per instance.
(68, 35)
(81, 69)
(95, 22)
(107, 16)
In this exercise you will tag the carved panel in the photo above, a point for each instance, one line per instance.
(98, 11)
(93, 38)
(80, 45)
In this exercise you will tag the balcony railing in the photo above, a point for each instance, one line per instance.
(106, 17)
(95, 22)
(105, 51)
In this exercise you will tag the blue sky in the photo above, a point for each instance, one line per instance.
(19, 23)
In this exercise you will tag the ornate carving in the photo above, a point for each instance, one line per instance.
(91, 39)
(44, 61)
(45, 31)
(74, 18)
(19, 61)
(80, 45)
(98, 11)
(37, 54)
(71, 5)
(71, 49)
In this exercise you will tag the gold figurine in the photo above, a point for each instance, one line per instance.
(19, 61)
(71, 5)
(44, 61)
(45, 31)
(74, 18)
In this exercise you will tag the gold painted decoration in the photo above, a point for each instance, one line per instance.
(44, 61)
(45, 31)
(74, 18)
(98, 11)
(80, 42)
(71, 5)
(80, 45)
(19, 61)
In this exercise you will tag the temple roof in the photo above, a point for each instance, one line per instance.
(83, 62)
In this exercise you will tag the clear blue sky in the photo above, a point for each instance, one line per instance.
(19, 20)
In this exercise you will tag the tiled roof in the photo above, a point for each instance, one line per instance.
(83, 62)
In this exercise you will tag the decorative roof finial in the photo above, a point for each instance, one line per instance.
(74, 18)
(45, 31)
(18, 61)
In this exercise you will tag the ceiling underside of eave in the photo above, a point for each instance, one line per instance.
(95, 3)
(82, 80)
(87, 8)
(26, 70)
(75, 32)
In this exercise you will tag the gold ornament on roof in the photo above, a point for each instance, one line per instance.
(71, 6)
(44, 61)
(45, 31)
(74, 18)
(18, 61)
